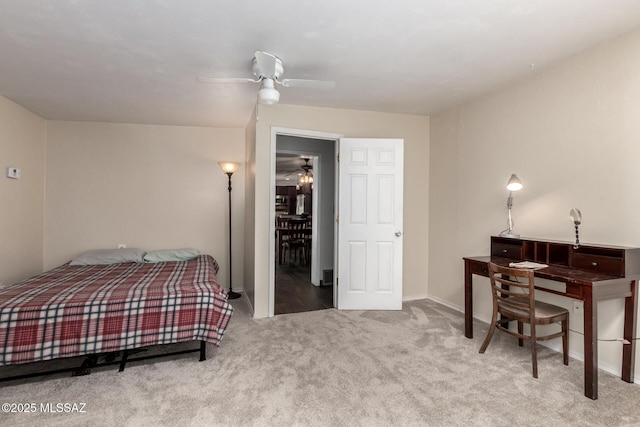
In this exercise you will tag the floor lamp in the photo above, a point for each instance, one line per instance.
(229, 168)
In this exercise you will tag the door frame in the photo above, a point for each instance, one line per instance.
(302, 133)
(317, 175)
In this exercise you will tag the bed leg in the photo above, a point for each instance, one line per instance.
(123, 362)
(203, 351)
(85, 369)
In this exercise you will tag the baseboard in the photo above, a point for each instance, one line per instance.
(617, 371)
(448, 304)
(245, 297)
(414, 298)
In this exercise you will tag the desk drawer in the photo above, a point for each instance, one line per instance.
(573, 290)
(479, 268)
(506, 250)
(599, 263)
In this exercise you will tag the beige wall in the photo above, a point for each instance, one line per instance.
(249, 211)
(22, 145)
(415, 132)
(572, 134)
(153, 187)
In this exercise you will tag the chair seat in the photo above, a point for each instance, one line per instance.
(543, 310)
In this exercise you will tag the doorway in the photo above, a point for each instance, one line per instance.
(304, 190)
(374, 165)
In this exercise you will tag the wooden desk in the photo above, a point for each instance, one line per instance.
(590, 274)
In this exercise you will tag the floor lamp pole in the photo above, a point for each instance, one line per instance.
(232, 295)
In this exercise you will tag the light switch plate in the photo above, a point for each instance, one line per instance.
(13, 173)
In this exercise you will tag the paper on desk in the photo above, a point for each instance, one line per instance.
(527, 264)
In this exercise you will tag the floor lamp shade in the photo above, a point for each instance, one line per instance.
(229, 168)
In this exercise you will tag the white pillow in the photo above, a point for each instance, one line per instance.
(109, 256)
(164, 255)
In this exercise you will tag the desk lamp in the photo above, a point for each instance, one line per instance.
(576, 217)
(514, 184)
(229, 168)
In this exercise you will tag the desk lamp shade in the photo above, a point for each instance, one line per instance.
(514, 184)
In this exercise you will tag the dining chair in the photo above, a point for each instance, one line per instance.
(295, 242)
(282, 234)
(514, 300)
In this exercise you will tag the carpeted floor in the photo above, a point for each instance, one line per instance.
(330, 367)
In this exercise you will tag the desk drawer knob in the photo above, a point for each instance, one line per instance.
(504, 251)
(594, 264)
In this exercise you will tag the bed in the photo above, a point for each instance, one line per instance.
(80, 310)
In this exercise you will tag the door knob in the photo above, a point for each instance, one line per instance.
(398, 233)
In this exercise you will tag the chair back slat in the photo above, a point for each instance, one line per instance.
(510, 293)
(297, 228)
(282, 221)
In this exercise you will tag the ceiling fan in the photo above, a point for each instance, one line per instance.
(302, 170)
(268, 70)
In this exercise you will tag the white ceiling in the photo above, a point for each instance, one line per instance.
(137, 61)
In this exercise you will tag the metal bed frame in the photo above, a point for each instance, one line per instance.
(110, 358)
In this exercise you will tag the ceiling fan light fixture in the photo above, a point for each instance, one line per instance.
(268, 94)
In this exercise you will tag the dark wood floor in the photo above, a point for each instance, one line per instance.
(295, 293)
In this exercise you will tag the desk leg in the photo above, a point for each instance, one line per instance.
(468, 301)
(629, 350)
(590, 345)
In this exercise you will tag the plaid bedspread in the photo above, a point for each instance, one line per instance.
(79, 310)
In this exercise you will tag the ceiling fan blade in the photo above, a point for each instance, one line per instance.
(294, 172)
(226, 80)
(266, 63)
(312, 84)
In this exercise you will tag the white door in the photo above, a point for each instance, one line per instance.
(370, 224)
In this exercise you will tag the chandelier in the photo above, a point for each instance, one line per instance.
(306, 179)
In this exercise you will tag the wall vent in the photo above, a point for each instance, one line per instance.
(327, 277)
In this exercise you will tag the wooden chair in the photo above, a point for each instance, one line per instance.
(295, 241)
(282, 234)
(514, 300)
